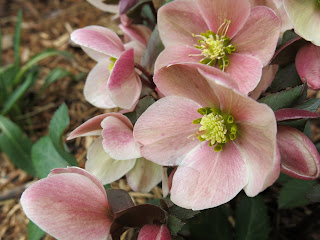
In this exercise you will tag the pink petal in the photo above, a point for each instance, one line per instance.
(138, 33)
(144, 176)
(177, 54)
(111, 8)
(118, 139)
(95, 88)
(124, 85)
(268, 74)
(246, 70)
(185, 80)
(105, 168)
(259, 36)
(299, 156)
(308, 65)
(68, 206)
(216, 12)
(178, 20)
(207, 179)
(292, 113)
(156, 232)
(165, 182)
(98, 39)
(93, 125)
(138, 49)
(166, 130)
(259, 151)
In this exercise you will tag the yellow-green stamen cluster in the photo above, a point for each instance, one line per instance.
(113, 61)
(216, 128)
(215, 47)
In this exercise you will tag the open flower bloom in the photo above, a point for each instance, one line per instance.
(116, 153)
(221, 140)
(305, 17)
(299, 156)
(113, 81)
(69, 204)
(308, 65)
(226, 34)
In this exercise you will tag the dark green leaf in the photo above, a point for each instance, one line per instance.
(16, 39)
(135, 12)
(18, 92)
(45, 157)
(16, 145)
(211, 224)
(307, 129)
(0, 47)
(155, 46)
(107, 186)
(283, 99)
(288, 36)
(310, 105)
(59, 122)
(182, 213)
(286, 77)
(283, 178)
(143, 104)
(252, 220)
(293, 193)
(34, 232)
(174, 225)
(55, 75)
(314, 193)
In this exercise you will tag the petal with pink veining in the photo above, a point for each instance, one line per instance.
(166, 130)
(178, 20)
(259, 36)
(216, 12)
(138, 49)
(95, 88)
(98, 39)
(144, 176)
(206, 178)
(68, 206)
(153, 231)
(140, 33)
(299, 156)
(124, 85)
(105, 168)
(308, 65)
(93, 125)
(118, 139)
(246, 70)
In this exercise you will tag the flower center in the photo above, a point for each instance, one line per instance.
(113, 61)
(215, 47)
(216, 128)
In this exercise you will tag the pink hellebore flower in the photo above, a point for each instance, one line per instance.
(116, 153)
(156, 232)
(111, 8)
(69, 204)
(221, 141)
(308, 65)
(228, 34)
(305, 17)
(299, 156)
(113, 81)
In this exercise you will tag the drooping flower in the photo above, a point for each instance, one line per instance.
(215, 135)
(69, 204)
(299, 156)
(227, 34)
(113, 81)
(115, 153)
(154, 231)
(308, 65)
(305, 17)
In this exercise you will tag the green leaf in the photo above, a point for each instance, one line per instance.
(154, 47)
(142, 106)
(107, 186)
(0, 48)
(16, 39)
(293, 193)
(283, 178)
(18, 92)
(58, 124)
(252, 220)
(283, 99)
(174, 225)
(310, 105)
(211, 224)
(45, 157)
(54, 76)
(182, 213)
(286, 77)
(34, 232)
(36, 59)
(314, 194)
(15, 144)
(288, 36)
